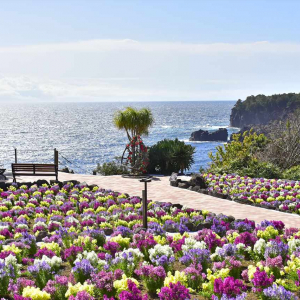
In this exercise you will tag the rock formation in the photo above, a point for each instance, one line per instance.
(203, 135)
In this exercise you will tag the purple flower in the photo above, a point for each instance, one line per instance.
(71, 253)
(278, 292)
(83, 270)
(155, 228)
(112, 247)
(46, 252)
(83, 295)
(276, 249)
(174, 292)
(195, 257)
(133, 292)
(246, 238)
(261, 280)
(153, 277)
(229, 287)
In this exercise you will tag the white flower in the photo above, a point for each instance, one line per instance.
(3, 227)
(39, 224)
(71, 219)
(260, 246)
(159, 250)
(90, 256)
(136, 253)
(22, 226)
(53, 262)
(293, 244)
(10, 259)
(191, 243)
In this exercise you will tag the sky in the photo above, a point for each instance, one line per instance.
(148, 50)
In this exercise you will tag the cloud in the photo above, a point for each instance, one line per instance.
(124, 70)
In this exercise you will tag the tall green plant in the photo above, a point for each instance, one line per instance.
(135, 123)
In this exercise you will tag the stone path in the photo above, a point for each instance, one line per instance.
(160, 190)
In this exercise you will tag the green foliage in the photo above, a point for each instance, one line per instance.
(292, 173)
(239, 157)
(134, 122)
(269, 103)
(169, 156)
(111, 168)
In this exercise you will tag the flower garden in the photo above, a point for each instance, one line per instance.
(281, 195)
(83, 242)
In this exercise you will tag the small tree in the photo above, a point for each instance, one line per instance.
(135, 123)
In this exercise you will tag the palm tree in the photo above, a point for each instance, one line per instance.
(135, 123)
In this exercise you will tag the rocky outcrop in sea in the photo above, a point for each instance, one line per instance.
(203, 135)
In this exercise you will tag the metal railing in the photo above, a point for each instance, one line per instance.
(58, 158)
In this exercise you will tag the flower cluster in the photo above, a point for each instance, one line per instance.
(78, 242)
(269, 193)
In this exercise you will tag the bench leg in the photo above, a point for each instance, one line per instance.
(14, 179)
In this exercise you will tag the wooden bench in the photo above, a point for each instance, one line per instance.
(34, 170)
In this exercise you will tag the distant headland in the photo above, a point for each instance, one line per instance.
(261, 109)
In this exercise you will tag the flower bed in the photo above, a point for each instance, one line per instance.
(268, 193)
(54, 246)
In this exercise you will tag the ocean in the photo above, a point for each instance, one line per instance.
(84, 133)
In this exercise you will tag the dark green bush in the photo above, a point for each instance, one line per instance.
(169, 156)
(111, 168)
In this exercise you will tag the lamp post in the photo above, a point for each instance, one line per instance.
(145, 204)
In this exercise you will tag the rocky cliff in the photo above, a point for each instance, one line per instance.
(261, 109)
(203, 135)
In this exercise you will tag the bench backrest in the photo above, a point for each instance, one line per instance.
(34, 168)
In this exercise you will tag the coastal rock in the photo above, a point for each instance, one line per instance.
(261, 109)
(203, 135)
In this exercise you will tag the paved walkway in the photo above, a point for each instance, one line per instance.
(160, 190)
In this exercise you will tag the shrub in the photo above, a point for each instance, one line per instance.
(111, 168)
(292, 173)
(169, 156)
(240, 157)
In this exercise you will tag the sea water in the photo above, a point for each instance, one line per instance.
(84, 133)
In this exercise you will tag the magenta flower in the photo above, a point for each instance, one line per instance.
(229, 286)
(261, 280)
(174, 292)
(133, 292)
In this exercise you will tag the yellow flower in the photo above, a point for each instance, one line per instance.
(35, 293)
(70, 212)
(100, 208)
(17, 235)
(51, 246)
(177, 277)
(12, 248)
(121, 285)
(160, 240)
(78, 287)
(123, 242)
